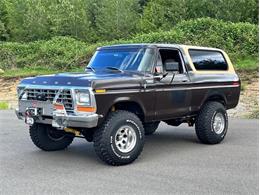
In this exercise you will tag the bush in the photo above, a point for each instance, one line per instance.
(238, 39)
(56, 53)
(3, 33)
(165, 14)
(235, 38)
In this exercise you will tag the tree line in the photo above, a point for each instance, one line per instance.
(105, 20)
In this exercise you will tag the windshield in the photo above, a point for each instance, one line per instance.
(135, 59)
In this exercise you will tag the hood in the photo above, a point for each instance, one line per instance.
(86, 79)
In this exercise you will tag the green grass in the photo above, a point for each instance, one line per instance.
(4, 105)
(247, 64)
(26, 72)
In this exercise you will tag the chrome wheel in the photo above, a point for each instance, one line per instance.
(125, 139)
(219, 123)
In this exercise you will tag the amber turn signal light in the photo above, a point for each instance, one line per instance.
(85, 109)
(58, 106)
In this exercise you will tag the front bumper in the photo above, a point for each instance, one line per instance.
(84, 121)
(58, 120)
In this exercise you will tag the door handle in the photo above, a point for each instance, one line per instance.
(185, 80)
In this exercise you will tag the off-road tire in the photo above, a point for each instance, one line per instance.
(150, 128)
(104, 138)
(204, 123)
(40, 136)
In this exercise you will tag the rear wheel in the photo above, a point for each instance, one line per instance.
(212, 123)
(49, 138)
(150, 128)
(120, 139)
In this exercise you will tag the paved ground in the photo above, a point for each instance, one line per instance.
(173, 162)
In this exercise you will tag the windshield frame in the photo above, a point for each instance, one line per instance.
(149, 67)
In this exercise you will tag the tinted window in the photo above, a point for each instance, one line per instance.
(208, 60)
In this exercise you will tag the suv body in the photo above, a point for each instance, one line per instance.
(125, 92)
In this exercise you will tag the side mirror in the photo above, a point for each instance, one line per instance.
(172, 66)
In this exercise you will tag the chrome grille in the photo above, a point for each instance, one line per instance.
(65, 96)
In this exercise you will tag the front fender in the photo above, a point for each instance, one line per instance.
(106, 101)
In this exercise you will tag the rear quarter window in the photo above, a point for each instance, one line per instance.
(208, 60)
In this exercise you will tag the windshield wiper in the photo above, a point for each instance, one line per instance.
(114, 68)
(90, 68)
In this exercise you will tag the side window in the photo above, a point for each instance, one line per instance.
(170, 55)
(208, 60)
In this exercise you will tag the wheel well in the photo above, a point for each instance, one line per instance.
(129, 106)
(216, 98)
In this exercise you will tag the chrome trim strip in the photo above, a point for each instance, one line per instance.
(206, 87)
(171, 89)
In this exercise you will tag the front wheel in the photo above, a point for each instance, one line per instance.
(120, 139)
(48, 138)
(212, 123)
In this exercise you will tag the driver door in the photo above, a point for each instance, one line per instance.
(172, 94)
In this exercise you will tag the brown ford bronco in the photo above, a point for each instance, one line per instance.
(123, 95)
